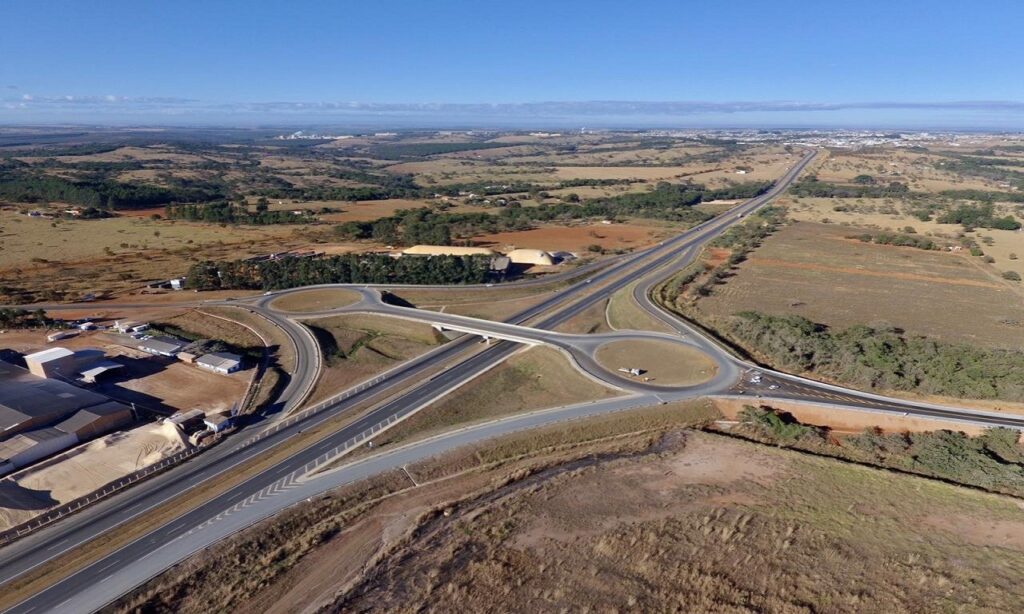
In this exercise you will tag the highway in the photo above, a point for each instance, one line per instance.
(286, 483)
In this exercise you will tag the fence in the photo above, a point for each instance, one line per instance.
(99, 494)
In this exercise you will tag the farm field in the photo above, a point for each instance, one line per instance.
(814, 271)
(577, 238)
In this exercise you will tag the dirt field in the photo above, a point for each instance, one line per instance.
(79, 471)
(847, 421)
(169, 385)
(662, 363)
(709, 524)
(576, 238)
(812, 270)
(315, 300)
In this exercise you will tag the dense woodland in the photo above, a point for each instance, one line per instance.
(667, 201)
(224, 212)
(347, 268)
(992, 461)
(883, 358)
(100, 193)
(861, 189)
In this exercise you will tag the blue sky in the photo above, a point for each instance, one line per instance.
(188, 61)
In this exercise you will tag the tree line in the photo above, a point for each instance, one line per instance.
(667, 201)
(978, 216)
(883, 358)
(340, 269)
(224, 212)
(106, 194)
(822, 189)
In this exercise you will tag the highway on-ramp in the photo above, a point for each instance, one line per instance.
(273, 489)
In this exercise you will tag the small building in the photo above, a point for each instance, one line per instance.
(218, 422)
(187, 357)
(60, 334)
(178, 283)
(87, 326)
(220, 362)
(187, 420)
(126, 327)
(162, 346)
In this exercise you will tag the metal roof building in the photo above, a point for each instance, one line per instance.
(28, 402)
(220, 362)
(162, 346)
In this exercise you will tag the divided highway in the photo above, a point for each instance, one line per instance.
(286, 483)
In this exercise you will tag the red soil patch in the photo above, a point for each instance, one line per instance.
(717, 255)
(573, 238)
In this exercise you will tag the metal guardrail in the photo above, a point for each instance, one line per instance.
(99, 494)
(75, 505)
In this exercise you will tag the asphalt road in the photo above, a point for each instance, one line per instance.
(283, 485)
(49, 543)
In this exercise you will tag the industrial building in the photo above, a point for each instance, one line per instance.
(220, 362)
(446, 250)
(93, 373)
(162, 346)
(97, 420)
(40, 416)
(130, 326)
(59, 362)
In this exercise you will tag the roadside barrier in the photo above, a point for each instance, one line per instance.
(95, 496)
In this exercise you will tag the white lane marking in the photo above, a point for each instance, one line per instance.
(61, 542)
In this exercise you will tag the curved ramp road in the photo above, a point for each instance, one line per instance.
(290, 482)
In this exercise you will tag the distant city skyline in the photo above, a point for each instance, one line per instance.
(898, 64)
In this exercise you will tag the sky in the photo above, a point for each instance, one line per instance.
(741, 62)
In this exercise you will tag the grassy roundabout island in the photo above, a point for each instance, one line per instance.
(312, 301)
(665, 363)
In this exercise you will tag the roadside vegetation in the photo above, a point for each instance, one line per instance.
(882, 358)
(993, 461)
(347, 268)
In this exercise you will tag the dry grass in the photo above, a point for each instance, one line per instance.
(708, 524)
(305, 553)
(814, 271)
(664, 363)
(319, 299)
(589, 321)
(624, 314)
(363, 346)
(577, 238)
(534, 379)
